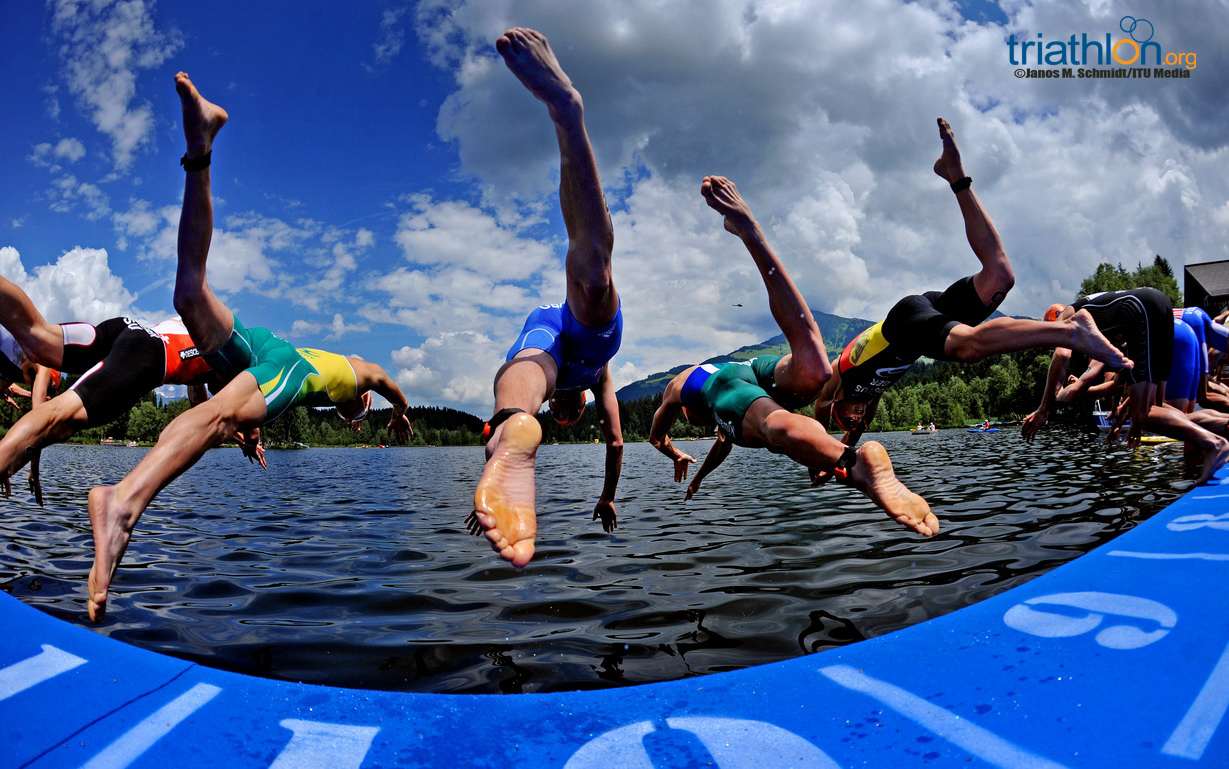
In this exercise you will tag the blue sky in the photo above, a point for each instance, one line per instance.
(386, 188)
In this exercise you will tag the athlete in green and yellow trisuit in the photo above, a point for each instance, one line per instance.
(267, 375)
(752, 402)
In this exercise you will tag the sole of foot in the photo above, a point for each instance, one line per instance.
(874, 475)
(504, 499)
(110, 541)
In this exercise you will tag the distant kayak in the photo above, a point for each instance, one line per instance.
(923, 432)
(979, 430)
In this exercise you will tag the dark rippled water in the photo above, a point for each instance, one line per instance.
(351, 567)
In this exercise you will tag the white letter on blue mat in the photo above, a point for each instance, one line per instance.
(317, 745)
(982, 743)
(1199, 724)
(31, 671)
(140, 738)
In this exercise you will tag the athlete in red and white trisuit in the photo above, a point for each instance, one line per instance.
(119, 361)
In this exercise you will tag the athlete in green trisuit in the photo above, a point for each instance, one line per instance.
(267, 374)
(752, 402)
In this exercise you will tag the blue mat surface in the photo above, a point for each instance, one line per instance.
(1116, 659)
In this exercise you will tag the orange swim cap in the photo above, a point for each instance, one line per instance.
(1053, 311)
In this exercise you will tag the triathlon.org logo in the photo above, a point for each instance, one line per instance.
(1136, 46)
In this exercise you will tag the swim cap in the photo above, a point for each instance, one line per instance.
(1054, 310)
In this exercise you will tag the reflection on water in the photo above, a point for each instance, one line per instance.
(351, 567)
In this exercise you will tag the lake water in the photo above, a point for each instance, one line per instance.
(352, 567)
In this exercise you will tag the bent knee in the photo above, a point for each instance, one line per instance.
(961, 345)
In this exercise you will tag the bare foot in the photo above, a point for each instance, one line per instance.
(948, 165)
(1214, 459)
(503, 502)
(111, 535)
(528, 54)
(723, 197)
(1088, 339)
(202, 119)
(873, 475)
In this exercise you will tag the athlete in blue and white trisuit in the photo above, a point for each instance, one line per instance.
(565, 349)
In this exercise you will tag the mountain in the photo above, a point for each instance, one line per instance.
(836, 329)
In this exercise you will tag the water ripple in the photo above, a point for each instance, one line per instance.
(352, 567)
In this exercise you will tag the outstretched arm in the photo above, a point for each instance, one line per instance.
(663, 419)
(1075, 386)
(1058, 370)
(612, 432)
(372, 376)
(716, 455)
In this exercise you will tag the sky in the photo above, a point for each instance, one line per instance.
(386, 188)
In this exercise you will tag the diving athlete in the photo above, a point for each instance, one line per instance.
(947, 325)
(752, 402)
(267, 375)
(563, 349)
(1141, 320)
(118, 362)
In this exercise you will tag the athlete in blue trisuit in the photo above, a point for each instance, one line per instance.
(1211, 336)
(563, 350)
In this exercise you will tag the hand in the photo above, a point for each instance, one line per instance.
(1032, 424)
(680, 466)
(820, 476)
(399, 425)
(11, 402)
(1072, 379)
(692, 488)
(252, 448)
(605, 510)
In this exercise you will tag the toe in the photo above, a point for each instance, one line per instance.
(522, 553)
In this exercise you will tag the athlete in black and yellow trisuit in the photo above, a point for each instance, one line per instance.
(267, 375)
(752, 402)
(947, 325)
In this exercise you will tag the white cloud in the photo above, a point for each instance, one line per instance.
(78, 286)
(824, 115)
(68, 193)
(458, 234)
(337, 328)
(48, 155)
(453, 368)
(392, 37)
(103, 46)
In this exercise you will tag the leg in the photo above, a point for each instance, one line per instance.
(804, 370)
(590, 285)
(806, 442)
(996, 277)
(504, 499)
(208, 320)
(51, 422)
(970, 343)
(115, 510)
(43, 342)
(1167, 420)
